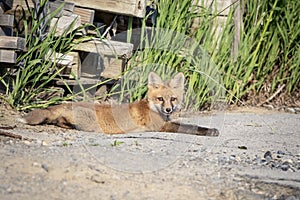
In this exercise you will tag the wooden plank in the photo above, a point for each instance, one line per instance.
(72, 65)
(82, 81)
(106, 47)
(16, 43)
(217, 6)
(67, 9)
(87, 15)
(64, 22)
(238, 28)
(23, 3)
(113, 67)
(124, 7)
(8, 56)
(6, 20)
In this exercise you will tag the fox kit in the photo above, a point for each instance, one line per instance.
(147, 115)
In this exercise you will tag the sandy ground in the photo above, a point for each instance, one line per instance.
(257, 156)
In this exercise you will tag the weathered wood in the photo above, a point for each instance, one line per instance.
(82, 81)
(113, 67)
(6, 20)
(64, 22)
(71, 63)
(66, 10)
(124, 7)
(87, 15)
(105, 47)
(8, 56)
(238, 28)
(221, 7)
(16, 43)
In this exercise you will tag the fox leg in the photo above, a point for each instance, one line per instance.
(189, 129)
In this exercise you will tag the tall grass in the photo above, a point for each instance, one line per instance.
(173, 47)
(267, 58)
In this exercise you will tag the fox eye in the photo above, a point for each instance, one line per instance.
(173, 98)
(160, 99)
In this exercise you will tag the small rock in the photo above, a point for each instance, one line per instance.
(45, 167)
(242, 147)
(291, 110)
(268, 154)
(284, 167)
(280, 152)
(238, 159)
(222, 159)
(288, 162)
(35, 164)
(26, 142)
(232, 157)
(263, 160)
(97, 179)
(44, 143)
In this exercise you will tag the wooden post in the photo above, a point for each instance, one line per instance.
(238, 28)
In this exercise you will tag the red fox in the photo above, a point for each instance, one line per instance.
(148, 115)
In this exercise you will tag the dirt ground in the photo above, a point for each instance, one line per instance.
(256, 156)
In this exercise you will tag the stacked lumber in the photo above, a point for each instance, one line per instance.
(91, 59)
(9, 45)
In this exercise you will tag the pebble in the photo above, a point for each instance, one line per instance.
(277, 160)
(291, 110)
(280, 152)
(45, 167)
(268, 154)
(284, 167)
(44, 143)
(26, 142)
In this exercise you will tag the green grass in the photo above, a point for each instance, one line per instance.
(268, 56)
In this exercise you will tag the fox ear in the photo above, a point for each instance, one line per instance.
(177, 81)
(154, 79)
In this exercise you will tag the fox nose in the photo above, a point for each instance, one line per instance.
(168, 110)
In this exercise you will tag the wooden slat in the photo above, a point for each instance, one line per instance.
(113, 67)
(87, 15)
(6, 20)
(217, 6)
(82, 81)
(105, 47)
(64, 22)
(16, 43)
(8, 56)
(23, 3)
(124, 7)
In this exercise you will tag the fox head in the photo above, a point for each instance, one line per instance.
(165, 97)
